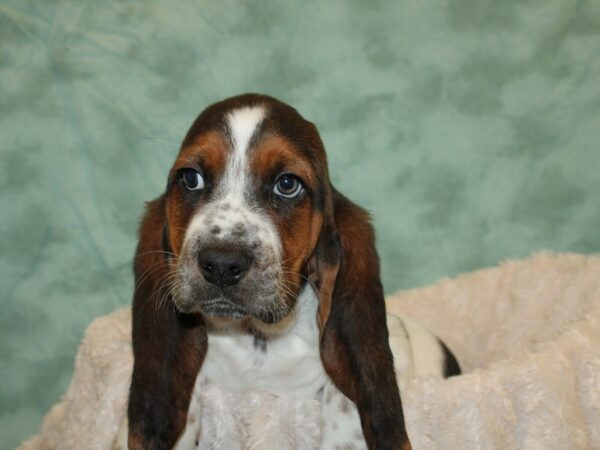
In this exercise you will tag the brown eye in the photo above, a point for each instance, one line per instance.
(287, 186)
(192, 179)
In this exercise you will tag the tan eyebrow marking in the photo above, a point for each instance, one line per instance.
(275, 150)
(209, 149)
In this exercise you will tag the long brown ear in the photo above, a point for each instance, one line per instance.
(168, 346)
(354, 335)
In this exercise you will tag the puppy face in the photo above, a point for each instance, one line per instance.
(245, 201)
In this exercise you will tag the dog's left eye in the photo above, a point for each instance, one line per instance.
(192, 179)
(287, 186)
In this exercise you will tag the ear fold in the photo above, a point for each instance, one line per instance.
(354, 335)
(168, 346)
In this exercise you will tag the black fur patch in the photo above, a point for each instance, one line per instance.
(260, 343)
(451, 366)
(165, 242)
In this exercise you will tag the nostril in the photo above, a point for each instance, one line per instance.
(235, 270)
(207, 267)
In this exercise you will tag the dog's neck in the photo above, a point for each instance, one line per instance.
(269, 360)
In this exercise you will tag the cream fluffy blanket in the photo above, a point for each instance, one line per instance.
(527, 334)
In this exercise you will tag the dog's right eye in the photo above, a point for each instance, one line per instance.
(288, 186)
(192, 179)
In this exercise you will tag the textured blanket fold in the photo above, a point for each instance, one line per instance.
(527, 334)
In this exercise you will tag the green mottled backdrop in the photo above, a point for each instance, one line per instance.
(469, 128)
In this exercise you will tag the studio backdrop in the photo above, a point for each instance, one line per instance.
(469, 129)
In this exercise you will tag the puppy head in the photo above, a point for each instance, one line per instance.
(245, 205)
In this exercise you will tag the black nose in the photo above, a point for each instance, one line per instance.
(224, 266)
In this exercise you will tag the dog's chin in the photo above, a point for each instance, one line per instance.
(270, 317)
(223, 307)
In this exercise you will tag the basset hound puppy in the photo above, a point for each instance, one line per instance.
(253, 272)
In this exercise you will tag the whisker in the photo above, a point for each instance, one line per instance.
(166, 288)
(150, 271)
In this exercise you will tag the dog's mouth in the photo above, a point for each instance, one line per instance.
(222, 307)
(259, 298)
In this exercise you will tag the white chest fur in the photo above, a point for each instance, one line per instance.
(260, 394)
(287, 362)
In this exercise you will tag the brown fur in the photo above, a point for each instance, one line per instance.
(273, 156)
(210, 149)
(354, 337)
(325, 237)
(168, 347)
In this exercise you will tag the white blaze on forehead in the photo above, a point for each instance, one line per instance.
(242, 124)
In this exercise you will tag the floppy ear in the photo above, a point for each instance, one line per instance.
(168, 346)
(352, 319)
